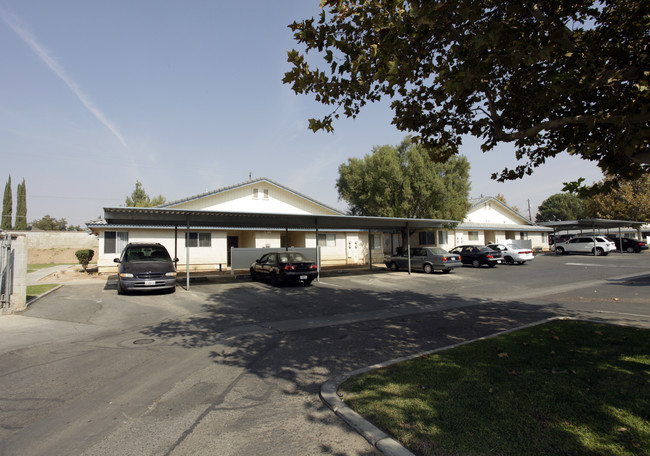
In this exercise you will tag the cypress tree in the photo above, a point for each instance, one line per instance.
(7, 202)
(21, 207)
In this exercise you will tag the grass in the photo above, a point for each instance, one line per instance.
(565, 387)
(34, 291)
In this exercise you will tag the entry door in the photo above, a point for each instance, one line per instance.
(353, 248)
(233, 241)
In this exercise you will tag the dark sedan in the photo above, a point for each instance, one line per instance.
(477, 255)
(280, 267)
(145, 267)
(629, 245)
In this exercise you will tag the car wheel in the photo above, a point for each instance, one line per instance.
(476, 264)
(630, 250)
(509, 261)
(598, 251)
(274, 279)
(120, 290)
(393, 266)
(559, 250)
(428, 268)
(253, 275)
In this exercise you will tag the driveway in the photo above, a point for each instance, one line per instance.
(235, 368)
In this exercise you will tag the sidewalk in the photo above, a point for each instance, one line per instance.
(34, 278)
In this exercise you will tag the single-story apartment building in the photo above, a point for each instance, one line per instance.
(209, 247)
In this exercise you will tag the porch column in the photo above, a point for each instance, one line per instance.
(187, 254)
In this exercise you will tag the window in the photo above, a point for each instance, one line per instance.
(427, 238)
(115, 241)
(266, 193)
(375, 241)
(198, 240)
(472, 235)
(327, 240)
(256, 192)
(523, 235)
(442, 237)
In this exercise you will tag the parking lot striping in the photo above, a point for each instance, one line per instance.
(601, 265)
(623, 313)
(320, 282)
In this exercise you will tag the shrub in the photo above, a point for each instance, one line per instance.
(84, 256)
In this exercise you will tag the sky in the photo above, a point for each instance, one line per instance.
(185, 97)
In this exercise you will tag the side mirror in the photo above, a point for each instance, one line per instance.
(116, 260)
(175, 260)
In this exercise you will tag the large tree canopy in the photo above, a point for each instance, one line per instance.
(548, 76)
(561, 206)
(630, 201)
(139, 198)
(403, 182)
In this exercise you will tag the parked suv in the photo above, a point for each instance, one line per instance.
(145, 267)
(598, 245)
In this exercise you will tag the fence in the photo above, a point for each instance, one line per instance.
(6, 271)
(13, 272)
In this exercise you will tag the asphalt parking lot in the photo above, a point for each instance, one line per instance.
(234, 367)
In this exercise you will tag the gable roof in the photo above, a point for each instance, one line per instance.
(247, 183)
(477, 202)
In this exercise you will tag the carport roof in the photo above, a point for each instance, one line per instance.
(591, 223)
(139, 216)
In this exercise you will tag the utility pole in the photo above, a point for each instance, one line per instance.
(530, 216)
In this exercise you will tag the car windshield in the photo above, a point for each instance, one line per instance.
(438, 251)
(147, 253)
(291, 257)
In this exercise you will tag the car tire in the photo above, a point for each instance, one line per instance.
(630, 250)
(120, 290)
(476, 264)
(253, 275)
(509, 261)
(559, 250)
(393, 266)
(428, 268)
(274, 279)
(598, 251)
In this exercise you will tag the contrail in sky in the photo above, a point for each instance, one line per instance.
(15, 24)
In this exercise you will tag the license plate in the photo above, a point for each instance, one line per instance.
(499, 261)
(149, 283)
(303, 277)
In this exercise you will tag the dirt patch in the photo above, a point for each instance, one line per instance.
(53, 256)
(76, 273)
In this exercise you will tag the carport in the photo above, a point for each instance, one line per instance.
(592, 224)
(139, 216)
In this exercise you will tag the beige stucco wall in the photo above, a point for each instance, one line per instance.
(59, 239)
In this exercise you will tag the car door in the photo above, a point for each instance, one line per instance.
(572, 245)
(417, 258)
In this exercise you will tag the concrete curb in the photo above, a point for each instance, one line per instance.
(375, 436)
(42, 295)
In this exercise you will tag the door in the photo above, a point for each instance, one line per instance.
(232, 242)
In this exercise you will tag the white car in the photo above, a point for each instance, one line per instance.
(513, 253)
(598, 245)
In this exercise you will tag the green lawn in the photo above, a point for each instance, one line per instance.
(562, 388)
(37, 290)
